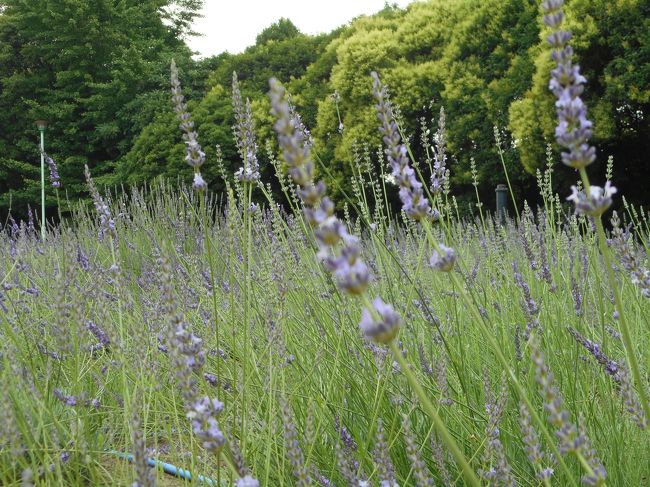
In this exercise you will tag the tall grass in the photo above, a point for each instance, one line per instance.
(304, 344)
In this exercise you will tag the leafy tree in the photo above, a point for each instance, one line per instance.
(281, 30)
(99, 71)
(612, 44)
(89, 67)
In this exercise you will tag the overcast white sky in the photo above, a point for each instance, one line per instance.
(232, 25)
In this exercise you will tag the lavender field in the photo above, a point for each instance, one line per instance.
(348, 343)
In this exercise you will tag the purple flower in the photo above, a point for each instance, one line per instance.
(66, 399)
(443, 259)
(531, 442)
(414, 203)
(439, 156)
(619, 375)
(570, 440)
(420, 471)
(82, 259)
(385, 469)
(203, 414)
(244, 135)
(292, 446)
(14, 229)
(199, 183)
(291, 140)
(611, 366)
(500, 472)
(330, 232)
(100, 334)
(30, 221)
(574, 129)
(438, 452)
(194, 155)
(380, 324)
(594, 204)
(106, 222)
(54, 173)
(247, 481)
(528, 304)
(145, 476)
(301, 128)
(350, 271)
(630, 259)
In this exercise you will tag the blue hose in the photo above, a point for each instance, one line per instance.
(168, 468)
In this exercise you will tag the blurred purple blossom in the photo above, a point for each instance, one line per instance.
(574, 129)
(194, 155)
(414, 203)
(381, 323)
(596, 202)
(443, 258)
(106, 222)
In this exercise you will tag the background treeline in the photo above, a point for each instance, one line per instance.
(98, 71)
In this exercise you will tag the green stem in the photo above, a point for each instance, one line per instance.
(448, 440)
(472, 307)
(618, 301)
(248, 191)
(505, 170)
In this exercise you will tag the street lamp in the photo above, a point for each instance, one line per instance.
(41, 124)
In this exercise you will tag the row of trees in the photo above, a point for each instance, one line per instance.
(96, 70)
(485, 61)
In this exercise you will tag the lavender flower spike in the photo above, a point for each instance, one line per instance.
(199, 184)
(571, 440)
(574, 129)
(443, 259)
(292, 446)
(247, 481)
(531, 443)
(203, 413)
(348, 268)
(439, 157)
(145, 477)
(54, 173)
(414, 203)
(630, 259)
(380, 324)
(244, 135)
(194, 155)
(296, 154)
(567, 432)
(619, 375)
(106, 222)
(594, 204)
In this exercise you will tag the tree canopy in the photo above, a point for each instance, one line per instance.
(98, 70)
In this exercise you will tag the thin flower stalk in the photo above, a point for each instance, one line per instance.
(571, 440)
(244, 131)
(379, 320)
(623, 244)
(573, 132)
(194, 155)
(473, 308)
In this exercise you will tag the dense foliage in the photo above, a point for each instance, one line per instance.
(95, 70)
(101, 80)
(88, 364)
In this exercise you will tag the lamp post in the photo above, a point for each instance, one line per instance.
(41, 124)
